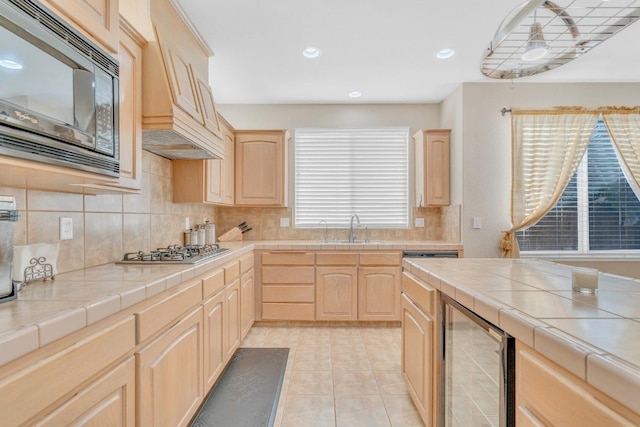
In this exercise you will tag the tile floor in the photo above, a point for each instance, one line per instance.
(341, 376)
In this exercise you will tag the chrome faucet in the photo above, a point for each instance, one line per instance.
(352, 235)
(326, 230)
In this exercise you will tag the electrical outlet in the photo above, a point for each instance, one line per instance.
(419, 222)
(284, 222)
(66, 228)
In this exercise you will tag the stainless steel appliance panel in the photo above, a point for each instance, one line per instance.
(478, 372)
(8, 218)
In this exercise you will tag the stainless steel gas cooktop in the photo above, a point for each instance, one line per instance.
(174, 254)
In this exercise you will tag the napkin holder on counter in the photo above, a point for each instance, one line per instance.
(35, 262)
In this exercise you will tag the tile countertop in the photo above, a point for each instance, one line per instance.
(595, 337)
(47, 311)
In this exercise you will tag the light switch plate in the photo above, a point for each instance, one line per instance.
(66, 228)
(284, 222)
(419, 222)
(477, 222)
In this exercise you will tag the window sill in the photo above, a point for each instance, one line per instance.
(617, 256)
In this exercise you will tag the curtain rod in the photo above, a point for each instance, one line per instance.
(620, 109)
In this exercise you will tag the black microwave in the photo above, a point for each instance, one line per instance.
(58, 92)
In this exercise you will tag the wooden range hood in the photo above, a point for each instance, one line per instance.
(179, 119)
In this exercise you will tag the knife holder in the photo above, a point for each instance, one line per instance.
(232, 235)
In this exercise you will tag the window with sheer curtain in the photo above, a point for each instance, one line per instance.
(341, 172)
(598, 210)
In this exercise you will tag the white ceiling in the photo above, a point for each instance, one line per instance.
(382, 48)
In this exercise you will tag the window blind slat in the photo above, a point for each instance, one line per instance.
(340, 172)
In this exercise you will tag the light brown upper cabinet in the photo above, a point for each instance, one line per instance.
(179, 119)
(432, 167)
(261, 167)
(97, 19)
(207, 181)
(228, 163)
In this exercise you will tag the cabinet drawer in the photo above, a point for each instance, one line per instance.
(41, 384)
(288, 293)
(288, 311)
(246, 263)
(424, 296)
(231, 272)
(280, 275)
(381, 258)
(213, 283)
(336, 258)
(287, 258)
(161, 314)
(558, 397)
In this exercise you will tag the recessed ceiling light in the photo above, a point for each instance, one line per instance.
(445, 53)
(12, 65)
(311, 52)
(355, 94)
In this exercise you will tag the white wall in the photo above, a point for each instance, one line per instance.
(290, 116)
(486, 163)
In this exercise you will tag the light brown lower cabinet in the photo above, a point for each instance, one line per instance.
(287, 285)
(247, 296)
(232, 317)
(47, 383)
(549, 395)
(337, 293)
(107, 401)
(151, 366)
(169, 373)
(215, 337)
(417, 358)
(379, 293)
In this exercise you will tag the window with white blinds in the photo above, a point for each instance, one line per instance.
(598, 210)
(341, 172)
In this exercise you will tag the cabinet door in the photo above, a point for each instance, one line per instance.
(169, 383)
(228, 166)
(129, 56)
(379, 293)
(232, 306)
(215, 336)
(247, 303)
(437, 169)
(261, 168)
(432, 168)
(220, 172)
(96, 18)
(214, 177)
(108, 401)
(336, 293)
(417, 358)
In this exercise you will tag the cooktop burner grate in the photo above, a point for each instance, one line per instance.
(174, 254)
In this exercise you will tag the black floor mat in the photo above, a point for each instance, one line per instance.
(247, 393)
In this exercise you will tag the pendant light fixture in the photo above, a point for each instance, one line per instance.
(536, 46)
(571, 29)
